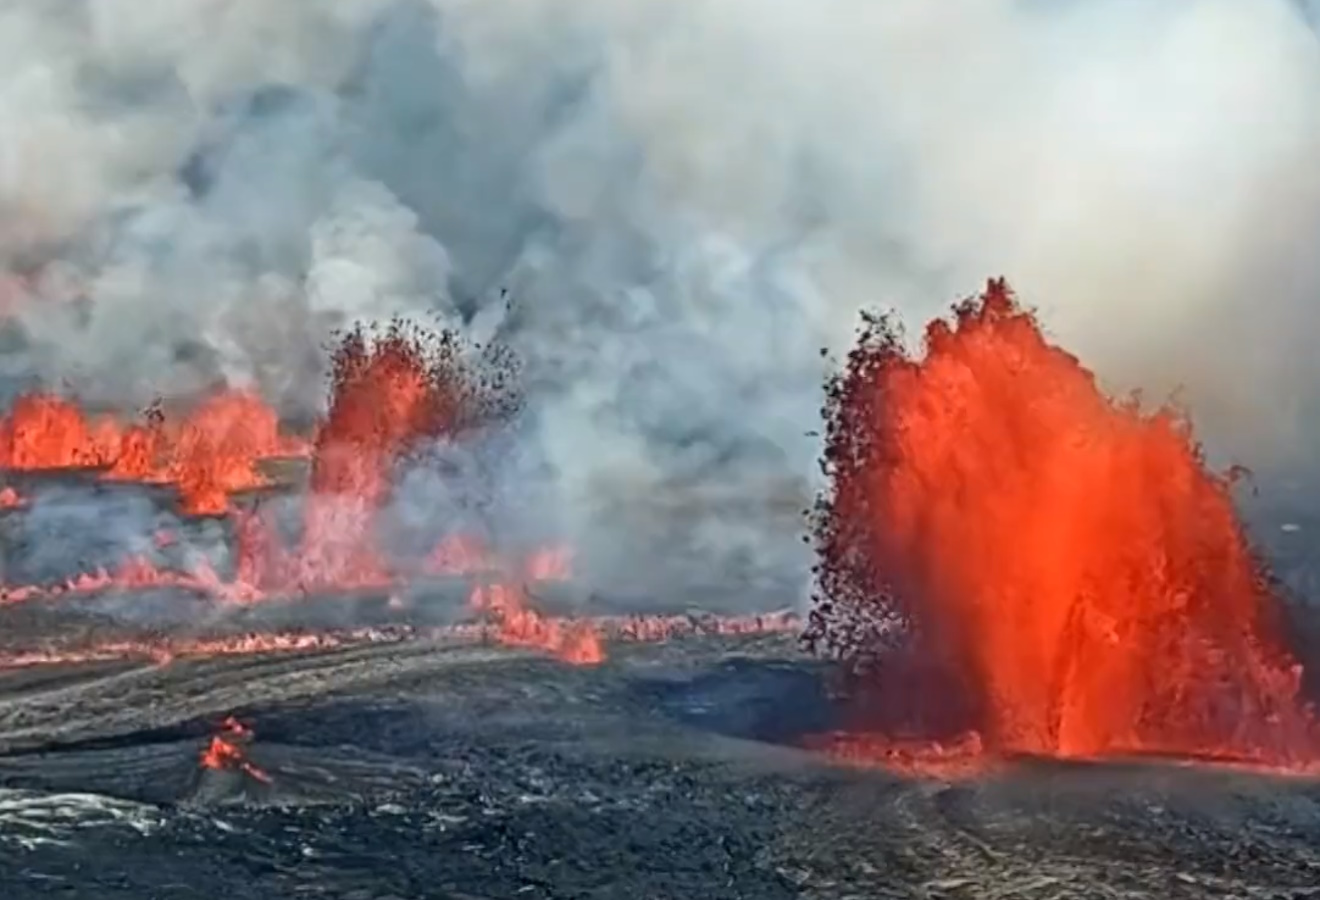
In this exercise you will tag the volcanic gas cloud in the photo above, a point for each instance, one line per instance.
(1010, 561)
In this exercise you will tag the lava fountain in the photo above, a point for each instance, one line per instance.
(1013, 561)
(391, 393)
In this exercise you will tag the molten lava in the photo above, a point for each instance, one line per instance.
(393, 394)
(226, 751)
(207, 456)
(1067, 576)
(163, 650)
(218, 448)
(458, 554)
(43, 431)
(389, 394)
(518, 625)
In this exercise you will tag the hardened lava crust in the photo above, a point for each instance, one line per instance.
(408, 766)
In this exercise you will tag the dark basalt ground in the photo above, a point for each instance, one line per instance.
(427, 770)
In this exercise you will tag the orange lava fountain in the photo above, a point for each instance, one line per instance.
(1069, 578)
(389, 394)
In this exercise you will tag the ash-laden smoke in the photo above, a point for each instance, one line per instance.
(684, 201)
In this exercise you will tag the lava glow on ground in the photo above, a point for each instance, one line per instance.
(1068, 578)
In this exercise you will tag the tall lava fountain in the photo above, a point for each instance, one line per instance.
(1068, 577)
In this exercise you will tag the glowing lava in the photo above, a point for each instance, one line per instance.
(217, 450)
(1068, 577)
(226, 752)
(166, 649)
(43, 431)
(394, 394)
(208, 455)
(518, 625)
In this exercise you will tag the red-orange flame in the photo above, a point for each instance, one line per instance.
(1074, 581)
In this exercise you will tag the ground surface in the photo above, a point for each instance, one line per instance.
(429, 769)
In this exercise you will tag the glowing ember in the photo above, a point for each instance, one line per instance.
(226, 751)
(1071, 579)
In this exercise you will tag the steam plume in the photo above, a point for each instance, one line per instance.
(683, 199)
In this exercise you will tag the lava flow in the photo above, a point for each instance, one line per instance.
(1010, 560)
(225, 753)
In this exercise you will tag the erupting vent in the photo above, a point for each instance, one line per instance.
(390, 394)
(1058, 573)
(393, 393)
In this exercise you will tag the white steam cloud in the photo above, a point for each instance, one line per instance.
(685, 198)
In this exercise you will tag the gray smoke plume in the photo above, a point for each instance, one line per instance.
(684, 201)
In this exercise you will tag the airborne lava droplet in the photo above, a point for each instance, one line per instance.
(1063, 573)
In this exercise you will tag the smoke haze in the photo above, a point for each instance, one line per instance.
(685, 200)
